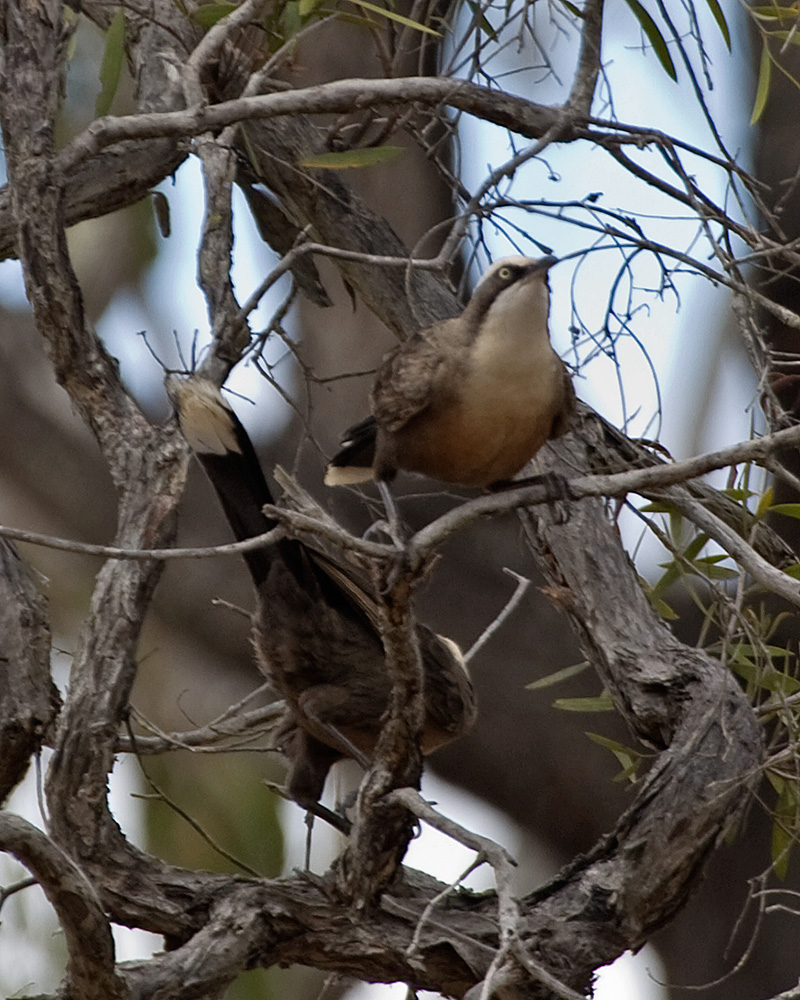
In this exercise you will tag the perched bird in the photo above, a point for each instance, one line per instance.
(315, 626)
(471, 399)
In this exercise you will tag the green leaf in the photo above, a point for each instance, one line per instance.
(693, 548)
(708, 567)
(766, 680)
(738, 493)
(392, 16)
(558, 676)
(781, 849)
(654, 36)
(307, 7)
(772, 12)
(658, 507)
(208, 15)
(719, 17)
(629, 759)
(479, 20)
(671, 575)
(764, 78)
(789, 509)
(765, 502)
(350, 158)
(791, 37)
(602, 703)
(662, 609)
(291, 21)
(786, 819)
(793, 571)
(111, 66)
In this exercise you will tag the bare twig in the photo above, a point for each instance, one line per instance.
(230, 734)
(496, 856)
(584, 82)
(115, 552)
(519, 592)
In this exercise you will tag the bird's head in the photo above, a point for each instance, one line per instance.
(513, 286)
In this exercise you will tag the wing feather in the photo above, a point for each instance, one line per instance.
(411, 374)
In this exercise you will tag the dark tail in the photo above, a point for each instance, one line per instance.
(215, 434)
(353, 462)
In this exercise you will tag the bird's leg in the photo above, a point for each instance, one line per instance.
(340, 823)
(391, 525)
(341, 741)
(394, 524)
(556, 486)
(309, 828)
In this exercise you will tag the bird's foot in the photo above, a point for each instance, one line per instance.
(396, 533)
(557, 493)
(336, 820)
(393, 525)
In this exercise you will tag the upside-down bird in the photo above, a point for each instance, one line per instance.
(315, 627)
(470, 399)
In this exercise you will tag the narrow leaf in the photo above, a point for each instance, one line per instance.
(602, 703)
(291, 21)
(392, 16)
(350, 158)
(693, 548)
(558, 676)
(738, 493)
(785, 826)
(307, 7)
(654, 36)
(719, 17)
(765, 503)
(764, 78)
(111, 66)
(479, 20)
(628, 759)
(789, 509)
(658, 507)
(772, 12)
(662, 609)
(208, 15)
(791, 37)
(781, 849)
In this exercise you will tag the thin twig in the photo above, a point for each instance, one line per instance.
(114, 552)
(519, 592)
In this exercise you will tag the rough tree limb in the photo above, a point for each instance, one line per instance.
(91, 974)
(28, 698)
(675, 698)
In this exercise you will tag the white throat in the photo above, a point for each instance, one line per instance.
(515, 324)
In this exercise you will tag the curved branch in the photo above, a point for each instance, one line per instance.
(584, 82)
(90, 968)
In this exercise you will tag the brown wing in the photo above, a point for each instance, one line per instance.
(411, 373)
(563, 419)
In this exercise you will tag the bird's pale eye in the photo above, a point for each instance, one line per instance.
(505, 273)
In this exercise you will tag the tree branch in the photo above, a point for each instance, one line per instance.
(29, 700)
(90, 969)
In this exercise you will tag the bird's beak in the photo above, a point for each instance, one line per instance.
(543, 264)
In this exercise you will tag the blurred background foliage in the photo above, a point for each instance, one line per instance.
(525, 758)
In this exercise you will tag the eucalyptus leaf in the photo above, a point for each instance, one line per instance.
(111, 66)
(348, 159)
